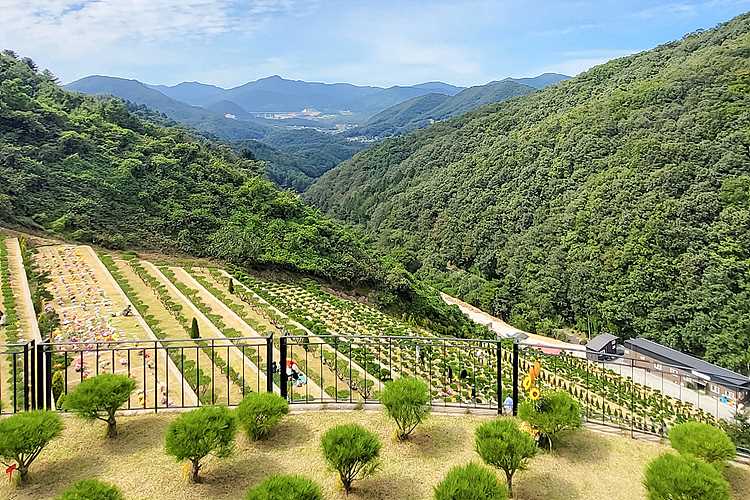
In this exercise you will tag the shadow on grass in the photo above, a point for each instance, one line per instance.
(385, 486)
(543, 485)
(231, 479)
(288, 434)
(581, 447)
(47, 477)
(739, 480)
(134, 435)
(434, 440)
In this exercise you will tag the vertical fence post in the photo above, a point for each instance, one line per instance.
(498, 365)
(269, 363)
(49, 404)
(40, 374)
(515, 378)
(282, 366)
(26, 377)
(31, 390)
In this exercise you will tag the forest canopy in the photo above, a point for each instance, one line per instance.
(618, 200)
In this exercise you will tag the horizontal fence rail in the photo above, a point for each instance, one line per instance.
(490, 374)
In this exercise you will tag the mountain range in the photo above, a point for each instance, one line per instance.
(424, 110)
(236, 115)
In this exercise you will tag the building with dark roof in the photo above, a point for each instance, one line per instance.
(684, 369)
(603, 347)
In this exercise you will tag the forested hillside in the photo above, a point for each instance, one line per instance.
(620, 198)
(295, 158)
(88, 169)
(205, 120)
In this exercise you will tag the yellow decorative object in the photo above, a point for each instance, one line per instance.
(527, 382)
(535, 393)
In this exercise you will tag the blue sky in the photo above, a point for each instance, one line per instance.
(385, 42)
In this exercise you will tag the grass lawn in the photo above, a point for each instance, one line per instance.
(586, 465)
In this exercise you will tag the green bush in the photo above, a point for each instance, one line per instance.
(285, 487)
(58, 388)
(502, 444)
(470, 482)
(551, 414)
(702, 440)
(194, 331)
(352, 451)
(23, 436)
(91, 489)
(684, 477)
(196, 434)
(259, 412)
(99, 398)
(407, 402)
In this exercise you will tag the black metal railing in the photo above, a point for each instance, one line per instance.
(17, 382)
(353, 368)
(488, 374)
(168, 373)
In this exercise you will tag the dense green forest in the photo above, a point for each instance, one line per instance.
(618, 199)
(295, 158)
(89, 169)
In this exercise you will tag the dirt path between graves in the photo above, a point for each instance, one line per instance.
(29, 328)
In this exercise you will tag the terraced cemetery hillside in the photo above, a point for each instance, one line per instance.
(192, 333)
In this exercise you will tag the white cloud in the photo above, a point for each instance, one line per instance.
(72, 28)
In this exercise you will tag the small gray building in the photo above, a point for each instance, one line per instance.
(603, 347)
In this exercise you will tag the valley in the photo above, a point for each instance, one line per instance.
(548, 273)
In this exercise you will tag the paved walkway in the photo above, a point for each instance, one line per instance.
(504, 329)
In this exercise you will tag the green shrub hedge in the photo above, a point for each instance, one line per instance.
(259, 412)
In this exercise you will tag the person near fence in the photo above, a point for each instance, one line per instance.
(508, 405)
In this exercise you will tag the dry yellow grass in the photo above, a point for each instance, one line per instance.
(587, 465)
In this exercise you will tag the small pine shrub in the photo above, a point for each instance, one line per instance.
(285, 487)
(58, 388)
(196, 434)
(98, 398)
(92, 489)
(407, 402)
(352, 451)
(194, 331)
(684, 477)
(551, 414)
(470, 482)
(259, 412)
(23, 436)
(704, 441)
(502, 444)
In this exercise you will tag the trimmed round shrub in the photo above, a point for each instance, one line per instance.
(407, 402)
(704, 441)
(470, 482)
(259, 412)
(502, 444)
(23, 436)
(551, 414)
(352, 451)
(684, 477)
(92, 489)
(285, 487)
(198, 433)
(98, 398)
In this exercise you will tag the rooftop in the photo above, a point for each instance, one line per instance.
(681, 359)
